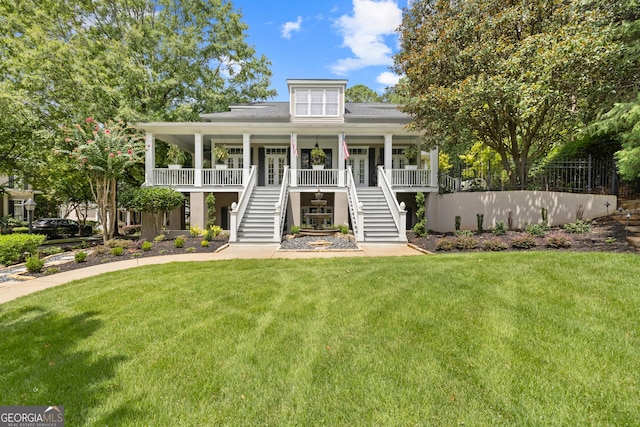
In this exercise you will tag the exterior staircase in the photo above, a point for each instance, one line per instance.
(257, 223)
(632, 223)
(379, 225)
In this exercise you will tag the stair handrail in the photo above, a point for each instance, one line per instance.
(281, 206)
(355, 207)
(398, 211)
(238, 209)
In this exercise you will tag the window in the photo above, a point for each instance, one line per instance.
(317, 102)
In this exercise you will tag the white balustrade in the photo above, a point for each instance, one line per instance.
(173, 177)
(317, 177)
(411, 177)
(221, 177)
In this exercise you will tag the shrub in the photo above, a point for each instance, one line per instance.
(464, 233)
(163, 251)
(100, 250)
(20, 230)
(146, 246)
(212, 232)
(80, 256)
(135, 255)
(196, 231)
(160, 238)
(191, 249)
(466, 242)
(344, 228)
(34, 264)
(295, 229)
(13, 246)
(204, 243)
(558, 241)
(115, 243)
(500, 229)
(578, 227)
(52, 250)
(494, 245)
(420, 228)
(117, 251)
(444, 245)
(179, 242)
(458, 221)
(537, 230)
(480, 221)
(52, 270)
(524, 241)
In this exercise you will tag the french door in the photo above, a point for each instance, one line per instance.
(359, 162)
(275, 161)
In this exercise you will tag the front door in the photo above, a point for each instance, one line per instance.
(275, 161)
(359, 162)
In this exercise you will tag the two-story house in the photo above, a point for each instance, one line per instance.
(268, 181)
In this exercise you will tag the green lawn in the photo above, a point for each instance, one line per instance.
(490, 338)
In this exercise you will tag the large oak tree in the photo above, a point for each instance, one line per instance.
(519, 76)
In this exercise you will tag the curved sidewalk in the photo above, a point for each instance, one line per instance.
(15, 289)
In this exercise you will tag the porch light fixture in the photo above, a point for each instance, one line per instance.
(30, 206)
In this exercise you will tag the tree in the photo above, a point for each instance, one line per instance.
(520, 76)
(155, 201)
(104, 152)
(361, 93)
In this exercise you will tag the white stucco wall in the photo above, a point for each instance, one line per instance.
(525, 206)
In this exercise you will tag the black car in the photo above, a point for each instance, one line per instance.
(58, 227)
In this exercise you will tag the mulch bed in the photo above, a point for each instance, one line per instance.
(606, 235)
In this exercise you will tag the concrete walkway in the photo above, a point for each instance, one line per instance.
(14, 289)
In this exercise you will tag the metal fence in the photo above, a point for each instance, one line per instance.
(587, 175)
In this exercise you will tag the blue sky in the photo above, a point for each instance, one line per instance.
(325, 39)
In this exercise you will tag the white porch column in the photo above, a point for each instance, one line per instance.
(246, 157)
(433, 159)
(388, 156)
(294, 160)
(341, 161)
(149, 159)
(198, 154)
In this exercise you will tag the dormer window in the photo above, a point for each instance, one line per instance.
(317, 102)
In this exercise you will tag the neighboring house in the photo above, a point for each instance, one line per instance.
(15, 193)
(268, 181)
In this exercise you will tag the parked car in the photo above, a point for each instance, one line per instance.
(55, 227)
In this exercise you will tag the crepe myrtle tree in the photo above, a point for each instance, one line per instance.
(104, 152)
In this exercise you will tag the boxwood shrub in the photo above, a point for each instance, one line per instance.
(14, 246)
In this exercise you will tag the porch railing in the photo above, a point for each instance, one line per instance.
(411, 177)
(397, 211)
(174, 177)
(281, 206)
(355, 207)
(237, 209)
(317, 177)
(221, 177)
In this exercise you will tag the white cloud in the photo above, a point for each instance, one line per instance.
(364, 34)
(388, 79)
(290, 27)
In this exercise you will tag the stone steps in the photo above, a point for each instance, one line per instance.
(632, 222)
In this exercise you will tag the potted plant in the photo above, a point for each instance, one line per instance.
(411, 154)
(221, 153)
(176, 157)
(317, 158)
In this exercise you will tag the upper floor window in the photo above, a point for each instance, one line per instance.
(317, 102)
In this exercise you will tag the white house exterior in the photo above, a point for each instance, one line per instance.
(268, 182)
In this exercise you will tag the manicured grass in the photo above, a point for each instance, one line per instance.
(481, 339)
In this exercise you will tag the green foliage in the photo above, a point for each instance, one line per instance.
(295, 229)
(160, 238)
(51, 270)
(464, 242)
(146, 246)
(483, 70)
(558, 241)
(212, 232)
(175, 155)
(20, 230)
(80, 256)
(317, 156)
(458, 222)
(523, 241)
(411, 154)
(52, 250)
(494, 245)
(204, 243)
(361, 93)
(221, 154)
(577, 227)
(537, 230)
(500, 229)
(544, 212)
(445, 245)
(196, 231)
(344, 228)
(154, 200)
(117, 251)
(464, 233)
(119, 242)
(211, 210)
(480, 221)
(179, 242)
(420, 228)
(34, 264)
(13, 246)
